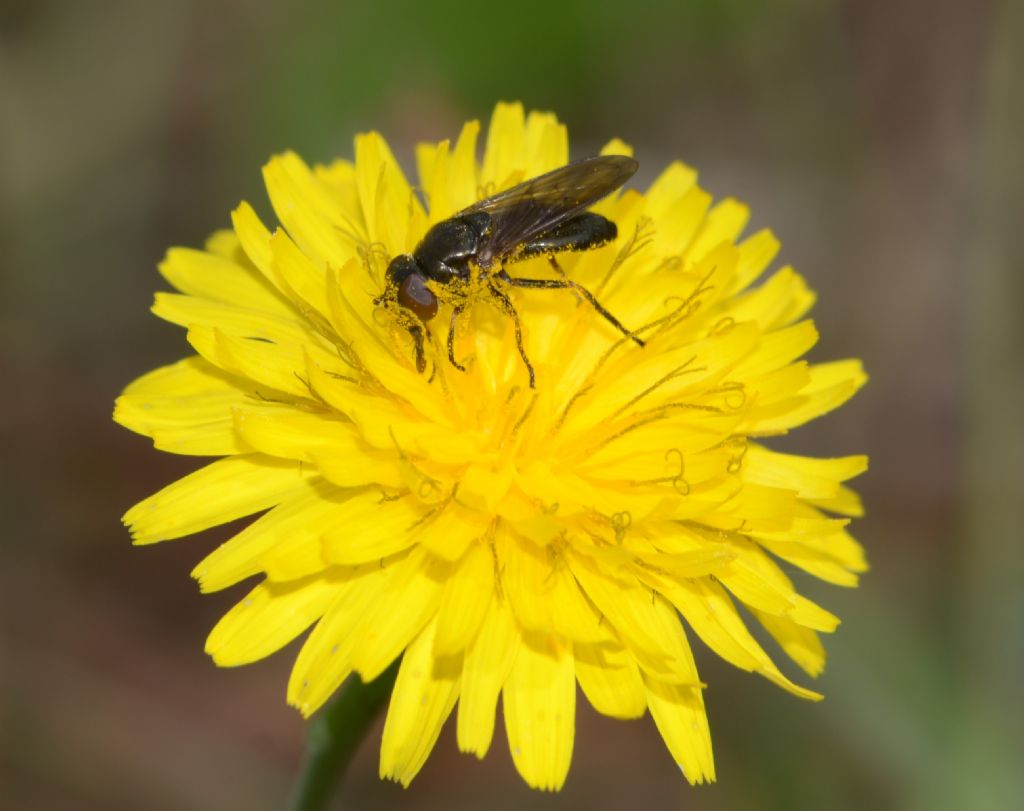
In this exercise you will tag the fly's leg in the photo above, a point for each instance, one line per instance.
(556, 267)
(456, 312)
(509, 309)
(417, 339)
(563, 284)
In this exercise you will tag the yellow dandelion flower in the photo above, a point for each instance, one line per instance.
(503, 540)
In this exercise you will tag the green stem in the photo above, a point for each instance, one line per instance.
(335, 734)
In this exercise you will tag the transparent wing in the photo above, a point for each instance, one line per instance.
(539, 204)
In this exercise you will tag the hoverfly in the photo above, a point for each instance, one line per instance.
(542, 216)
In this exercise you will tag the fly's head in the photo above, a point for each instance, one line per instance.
(406, 285)
(406, 294)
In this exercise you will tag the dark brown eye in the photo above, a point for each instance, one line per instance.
(414, 295)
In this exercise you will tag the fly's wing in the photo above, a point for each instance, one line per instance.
(541, 203)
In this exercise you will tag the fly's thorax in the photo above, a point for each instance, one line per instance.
(445, 251)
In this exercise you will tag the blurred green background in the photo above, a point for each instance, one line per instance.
(882, 141)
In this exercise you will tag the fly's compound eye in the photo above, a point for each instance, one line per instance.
(414, 295)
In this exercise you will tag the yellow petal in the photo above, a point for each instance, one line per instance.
(810, 478)
(357, 466)
(573, 616)
(525, 571)
(505, 139)
(185, 408)
(296, 522)
(678, 712)
(756, 253)
(310, 436)
(802, 645)
(752, 589)
(370, 528)
(462, 177)
(611, 680)
(422, 699)
(831, 385)
(724, 222)
(809, 614)
(546, 143)
(269, 617)
(339, 181)
(641, 618)
(616, 146)
(246, 323)
(816, 558)
(539, 701)
(301, 280)
(754, 570)
(675, 182)
(658, 378)
(385, 631)
(254, 238)
(334, 445)
(699, 604)
(209, 276)
(387, 199)
(273, 366)
(465, 601)
(845, 502)
(776, 303)
(487, 663)
(375, 416)
(220, 492)
(450, 531)
(678, 206)
(755, 508)
(325, 660)
(224, 243)
(432, 167)
(308, 210)
(777, 349)
(707, 608)
(449, 176)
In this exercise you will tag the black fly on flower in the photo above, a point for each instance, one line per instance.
(543, 216)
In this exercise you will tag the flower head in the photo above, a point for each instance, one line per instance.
(503, 540)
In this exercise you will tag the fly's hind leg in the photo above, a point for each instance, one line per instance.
(505, 303)
(557, 268)
(562, 284)
(580, 233)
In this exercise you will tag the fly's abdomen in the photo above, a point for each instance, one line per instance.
(582, 232)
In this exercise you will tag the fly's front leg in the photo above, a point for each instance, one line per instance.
(456, 312)
(417, 339)
(420, 334)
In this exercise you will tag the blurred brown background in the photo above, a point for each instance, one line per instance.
(882, 141)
